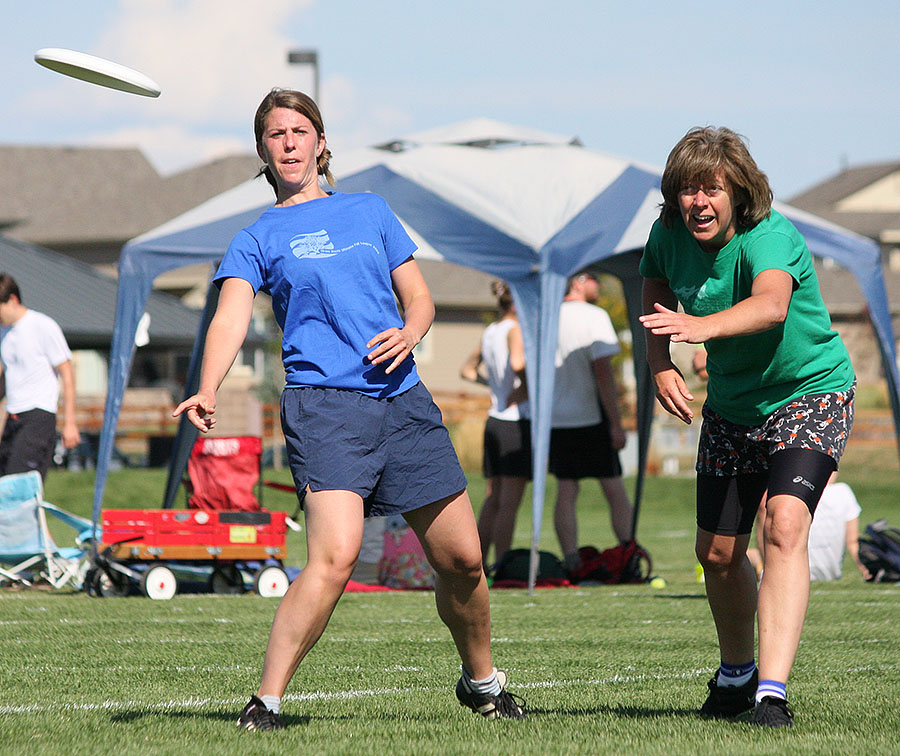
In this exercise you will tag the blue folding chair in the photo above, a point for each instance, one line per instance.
(27, 551)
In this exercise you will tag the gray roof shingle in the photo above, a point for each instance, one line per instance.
(823, 198)
(75, 197)
(83, 301)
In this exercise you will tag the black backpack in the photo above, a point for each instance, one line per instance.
(879, 551)
(514, 565)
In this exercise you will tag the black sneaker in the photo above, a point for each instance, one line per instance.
(729, 702)
(255, 716)
(773, 712)
(504, 704)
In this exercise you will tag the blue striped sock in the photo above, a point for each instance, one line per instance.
(771, 688)
(735, 675)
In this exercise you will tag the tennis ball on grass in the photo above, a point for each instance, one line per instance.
(658, 582)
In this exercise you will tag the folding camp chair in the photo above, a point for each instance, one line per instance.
(224, 474)
(26, 547)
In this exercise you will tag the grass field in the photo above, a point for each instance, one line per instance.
(605, 670)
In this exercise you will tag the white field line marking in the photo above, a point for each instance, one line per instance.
(201, 703)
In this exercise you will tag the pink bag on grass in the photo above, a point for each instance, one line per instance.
(403, 563)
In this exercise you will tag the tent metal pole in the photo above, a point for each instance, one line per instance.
(187, 433)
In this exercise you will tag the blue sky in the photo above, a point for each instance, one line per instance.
(812, 85)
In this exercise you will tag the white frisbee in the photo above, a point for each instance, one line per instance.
(97, 71)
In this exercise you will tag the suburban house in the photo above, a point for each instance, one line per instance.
(864, 199)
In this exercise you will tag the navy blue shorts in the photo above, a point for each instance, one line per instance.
(394, 452)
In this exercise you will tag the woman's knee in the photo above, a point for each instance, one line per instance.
(787, 525)
(459, 564)
(334, 567)
(718, 553)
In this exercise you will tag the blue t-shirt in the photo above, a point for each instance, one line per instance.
(327, 265)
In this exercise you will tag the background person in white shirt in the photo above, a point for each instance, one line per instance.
(507, 433)
(587, 433)
(834, 530)
(35, 359)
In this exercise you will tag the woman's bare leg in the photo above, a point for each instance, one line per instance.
(334, 527)
(449, 536)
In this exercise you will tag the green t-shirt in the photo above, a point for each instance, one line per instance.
(753, 375)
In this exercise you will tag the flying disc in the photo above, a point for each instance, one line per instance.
(97, 71)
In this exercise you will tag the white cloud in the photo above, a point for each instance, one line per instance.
(214, 59)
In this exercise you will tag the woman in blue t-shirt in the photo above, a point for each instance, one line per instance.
(363, 434)
(779, 406)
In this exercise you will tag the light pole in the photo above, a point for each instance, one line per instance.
(310, 58)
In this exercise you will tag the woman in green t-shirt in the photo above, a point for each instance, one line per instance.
(779, 406)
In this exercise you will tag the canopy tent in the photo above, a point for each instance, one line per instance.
(525, 206)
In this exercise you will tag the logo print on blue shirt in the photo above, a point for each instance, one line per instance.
(316, 244)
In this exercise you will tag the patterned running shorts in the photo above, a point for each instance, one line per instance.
(819, 422)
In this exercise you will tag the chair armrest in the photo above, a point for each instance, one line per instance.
(79, 524)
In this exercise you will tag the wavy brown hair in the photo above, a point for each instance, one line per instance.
(303, 104)
(701, 154)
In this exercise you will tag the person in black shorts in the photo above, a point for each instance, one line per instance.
(587, 433)
(35, 361)
(779, 402)
(507, 432)
(363, 434)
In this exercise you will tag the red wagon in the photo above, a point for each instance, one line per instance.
(141, 544)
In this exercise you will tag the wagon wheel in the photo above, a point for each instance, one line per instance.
(107, 583)
(271, 582)
(226, 579)
(159, 583)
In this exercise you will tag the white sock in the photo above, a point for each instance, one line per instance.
(771, 689)
(490, 685)
(273, 703)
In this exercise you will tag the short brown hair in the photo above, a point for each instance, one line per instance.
(702, 153)
(303, 104)
(570, 281)
(8, 287)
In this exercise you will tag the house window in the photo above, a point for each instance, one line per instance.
(424, 351)
(894, 260)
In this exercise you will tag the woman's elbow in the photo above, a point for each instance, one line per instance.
(779, 314)
(771, 311)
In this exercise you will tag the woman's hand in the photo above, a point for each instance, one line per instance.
(673, 393)
(617, 436)
(200, 409)
(393, 344)
(678, 326)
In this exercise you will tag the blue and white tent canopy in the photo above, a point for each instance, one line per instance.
(529, 207)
